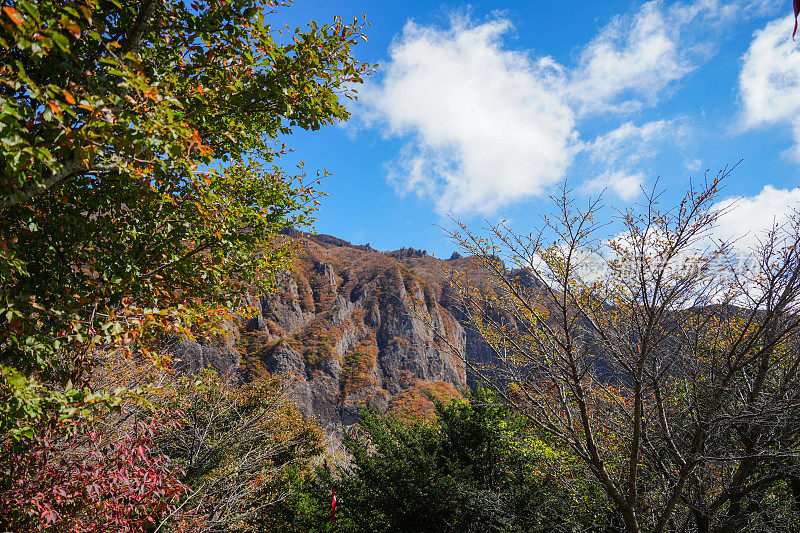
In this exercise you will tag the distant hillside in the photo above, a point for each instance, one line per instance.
(346, 323)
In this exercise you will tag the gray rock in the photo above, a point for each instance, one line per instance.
(378, 325)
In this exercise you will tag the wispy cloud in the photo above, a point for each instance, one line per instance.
(618, 155)
(630, 144)
(629, 64)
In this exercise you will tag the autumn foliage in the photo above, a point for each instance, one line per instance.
(82, 481)
(139, 188)
(140, 196)
(660, 364)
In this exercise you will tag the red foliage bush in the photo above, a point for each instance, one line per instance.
(80, 483)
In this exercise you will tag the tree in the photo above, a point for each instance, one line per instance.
(474, 467)
(179, 453)
(671, 373)
(138, 189)
(238, 446)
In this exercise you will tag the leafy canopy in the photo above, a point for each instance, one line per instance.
(138, 183)
(475, 467)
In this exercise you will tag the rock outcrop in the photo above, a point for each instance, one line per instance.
(354, 327)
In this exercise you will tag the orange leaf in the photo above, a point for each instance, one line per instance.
(54, 107)
(69, 98)
(13, 14)
(74, 29)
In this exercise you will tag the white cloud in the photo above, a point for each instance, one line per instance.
(769, 81)
(743, 221)
(629, 63)
(760, 8)
(486, 126)
(693, 165)
(619, 154)
(635, 60)
(631, 143)
(746, 219)
(625, 185)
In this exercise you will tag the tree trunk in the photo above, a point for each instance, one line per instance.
(631, 522)
(794, 484)
(702, 521)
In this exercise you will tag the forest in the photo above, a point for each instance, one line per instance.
(642, 381)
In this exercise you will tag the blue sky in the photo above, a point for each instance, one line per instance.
(479, 111)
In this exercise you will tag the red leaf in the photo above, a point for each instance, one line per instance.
(796, 12)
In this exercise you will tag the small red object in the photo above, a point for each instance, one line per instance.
(333, 504)
(796, 12)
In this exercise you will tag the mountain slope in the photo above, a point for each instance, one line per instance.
(354, 327)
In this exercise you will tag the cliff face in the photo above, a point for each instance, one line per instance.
(354, 326)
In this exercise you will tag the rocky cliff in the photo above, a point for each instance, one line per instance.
(353, 326)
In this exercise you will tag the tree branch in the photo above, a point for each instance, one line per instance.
(134, 39)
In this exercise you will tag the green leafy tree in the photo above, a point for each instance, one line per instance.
(138, 185)
(474, 468)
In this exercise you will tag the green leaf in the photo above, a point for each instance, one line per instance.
(61, 40)
(30, 9)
